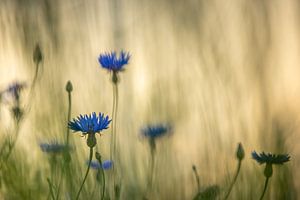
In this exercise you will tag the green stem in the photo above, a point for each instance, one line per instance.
(152, 162)
(265, 188)
(11, 146)
(35, 75)
(69, 117)
(33, 83)
(197, 177)
(113, 147)
(103, 177)
(58, 189)
(234, 179)
(50, 188)
(114, 121)
(86, 174)
(115, 124)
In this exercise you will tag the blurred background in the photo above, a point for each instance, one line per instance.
(221, 72)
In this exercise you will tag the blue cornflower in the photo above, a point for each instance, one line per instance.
(89, 124)
(269, 158)
(156, 131)
(14, 90)
(53, 147)
(107, 164)
(111, 62)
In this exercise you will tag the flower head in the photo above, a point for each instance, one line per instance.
(14, 90)
(111, 62)
(53, 147)
(269, 158)
(156, 131)
(89, 123)
(107, 164)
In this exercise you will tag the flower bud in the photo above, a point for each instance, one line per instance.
(98, 156)
(69, 86)
(37, 54)
(240, 153)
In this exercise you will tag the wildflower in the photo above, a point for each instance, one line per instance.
(53, 147)
(110, 61)
(156, 131)
(90, 125)
(107, 164)
(269, 158)
(15, 89)
(11, 96)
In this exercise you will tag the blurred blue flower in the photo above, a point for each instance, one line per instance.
(155, 131)
(107, 164)
(269, 158)
(53, 147)
(89, 123)
(111, 62)
(14, 90)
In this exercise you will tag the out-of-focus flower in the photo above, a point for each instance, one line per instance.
(14, 90)
(89, 124)
(156, 131)
(269, 158)
(111, 62)
(53, 147)
(107, 164)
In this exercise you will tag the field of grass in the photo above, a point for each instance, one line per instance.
(202, 78)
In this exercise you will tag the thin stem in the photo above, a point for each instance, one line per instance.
(33, 83)
(115, 124)
(113, 148)
(11, 146)
(265, 188)
(103, 178)
(35, 75)
(69, 116)
(58, 189)
(234, 179)
(152, 162)
(197, 177)
(112, 125)
(86, 174)
(50, 188)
